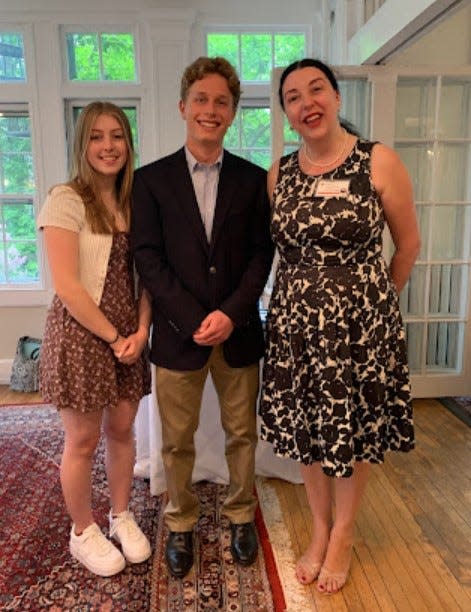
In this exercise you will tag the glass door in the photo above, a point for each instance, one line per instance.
(433, 137)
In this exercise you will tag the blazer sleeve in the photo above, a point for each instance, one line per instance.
(239, 306)
(183, 312)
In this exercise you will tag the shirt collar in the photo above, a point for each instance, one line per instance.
(194, 164)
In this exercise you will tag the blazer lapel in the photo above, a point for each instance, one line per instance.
(185, 196)
(227, 187)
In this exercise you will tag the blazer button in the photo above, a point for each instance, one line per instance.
(212, 270)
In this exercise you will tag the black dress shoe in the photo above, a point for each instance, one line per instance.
(244, 545)
(179, 553)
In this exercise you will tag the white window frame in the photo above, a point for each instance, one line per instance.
(22, 95)
(22, 109)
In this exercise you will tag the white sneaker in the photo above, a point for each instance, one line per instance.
(95, 551)
(135, 545)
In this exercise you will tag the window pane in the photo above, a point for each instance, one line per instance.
(454, 117)
(18, 246)
(16, 162)
(423, 213)
(447, 289)
(414, 339)
(12, 57)
(444, 342)
(18, 220)
(256, 127)
(22, 262)
(250, 135)
(415, 108)
(257, 61)
(289, 48)
(356, 98)
(224, 45)
(418, 160)
(232, 137)
(412, 297)
(452, 173)
(118, 57)
(451, 230)
(290, 136)
(19, 250)
(96, 57)
(83, 56)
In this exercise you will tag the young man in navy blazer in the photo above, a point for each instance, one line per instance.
(200, 235)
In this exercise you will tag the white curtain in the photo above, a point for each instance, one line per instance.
(210, 461)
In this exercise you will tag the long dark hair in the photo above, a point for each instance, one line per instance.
(308, 62)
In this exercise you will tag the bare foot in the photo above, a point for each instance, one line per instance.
(334, 572)
(310, 563)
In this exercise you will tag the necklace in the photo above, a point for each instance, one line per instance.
(332, 161)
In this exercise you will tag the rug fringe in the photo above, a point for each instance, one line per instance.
(296, 600)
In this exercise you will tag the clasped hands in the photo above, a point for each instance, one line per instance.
(128, 349)
(214, 329)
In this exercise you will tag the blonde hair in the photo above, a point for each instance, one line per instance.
(203, 66)
(83, 177)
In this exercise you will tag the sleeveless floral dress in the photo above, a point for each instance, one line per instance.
(78, 370)
(335, 382)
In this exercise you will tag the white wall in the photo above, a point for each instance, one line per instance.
(448, 44)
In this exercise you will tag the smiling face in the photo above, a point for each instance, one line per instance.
(311, 103)
(208, 111)
(107, 151)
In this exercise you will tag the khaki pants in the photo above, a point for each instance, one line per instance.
(179, 397)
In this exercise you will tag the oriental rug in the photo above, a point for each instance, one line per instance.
(37, 572)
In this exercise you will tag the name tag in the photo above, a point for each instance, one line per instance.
(327, 188)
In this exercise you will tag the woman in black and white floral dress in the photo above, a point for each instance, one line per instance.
(336, 392)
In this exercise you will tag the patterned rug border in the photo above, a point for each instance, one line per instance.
(282, 547)
(457, 409)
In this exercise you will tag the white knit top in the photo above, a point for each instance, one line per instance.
(64, 208)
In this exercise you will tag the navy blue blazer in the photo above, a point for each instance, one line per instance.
(186, 276)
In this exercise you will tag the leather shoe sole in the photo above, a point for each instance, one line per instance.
(244, 545)
(179, 553)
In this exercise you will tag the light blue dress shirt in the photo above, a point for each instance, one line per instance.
(205, 179)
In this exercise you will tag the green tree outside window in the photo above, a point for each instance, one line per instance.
(18, 245)
(255, 54)
(94, 56)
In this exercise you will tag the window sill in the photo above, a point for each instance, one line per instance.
(24, 297)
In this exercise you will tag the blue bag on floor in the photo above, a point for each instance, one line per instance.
(25, 369)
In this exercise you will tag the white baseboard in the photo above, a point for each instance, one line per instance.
(5, 371)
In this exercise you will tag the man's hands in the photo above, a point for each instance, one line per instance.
(214, 329)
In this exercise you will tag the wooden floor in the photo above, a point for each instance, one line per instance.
(413, 542)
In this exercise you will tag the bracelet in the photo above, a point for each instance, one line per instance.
(114, 339)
